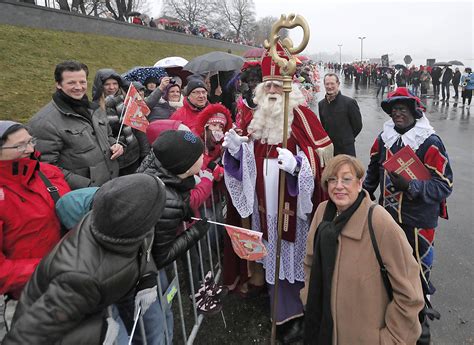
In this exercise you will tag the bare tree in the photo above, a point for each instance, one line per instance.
(193, 12)
(263, 27)
(238, 14)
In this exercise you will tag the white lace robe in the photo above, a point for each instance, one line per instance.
(244, 198)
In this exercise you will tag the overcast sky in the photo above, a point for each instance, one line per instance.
(420, 28)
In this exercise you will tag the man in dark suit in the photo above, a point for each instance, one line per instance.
(446, 76)
(340, 117)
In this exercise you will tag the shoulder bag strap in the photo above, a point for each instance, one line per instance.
(383, 269)
(53, 190)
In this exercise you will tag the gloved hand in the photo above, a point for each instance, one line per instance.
(286, 160)
(218, 173)
(206, 174)
(112, 331)
(399, 182)
(233, 141)
(145, 299)
(202, 226)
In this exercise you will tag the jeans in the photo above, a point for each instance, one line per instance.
(436, 90)
(445, 91)
(414, 89)
(154, 320)
(122, 338)
(381, 87)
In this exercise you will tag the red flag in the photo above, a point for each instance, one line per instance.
(136, 110)
(247, 244)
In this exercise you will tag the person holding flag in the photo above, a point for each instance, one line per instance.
(109, 93)
(73, 134)
(252, 165)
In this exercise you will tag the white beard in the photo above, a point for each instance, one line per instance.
(267, 122)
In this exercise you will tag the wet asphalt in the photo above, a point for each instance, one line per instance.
(453, 268)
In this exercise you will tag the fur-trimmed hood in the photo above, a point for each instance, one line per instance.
(208, 112)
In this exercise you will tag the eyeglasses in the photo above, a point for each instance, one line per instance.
(346, 181)
(22, 147)
(199, 93)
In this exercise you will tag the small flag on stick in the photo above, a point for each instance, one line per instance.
(247, 244)
(136, 110)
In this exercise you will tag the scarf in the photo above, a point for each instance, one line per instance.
(331, 98)
(79, 106)
(318, 318)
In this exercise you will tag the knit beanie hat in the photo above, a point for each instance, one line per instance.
(127, 207)
(195, 82)
(177, 151)
(167, 90)
(154, 80)
(5, 125)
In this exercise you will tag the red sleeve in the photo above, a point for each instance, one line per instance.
(56, 176)
(200, 193)
(14, 274)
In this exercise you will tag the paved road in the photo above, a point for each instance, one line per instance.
(453, 273)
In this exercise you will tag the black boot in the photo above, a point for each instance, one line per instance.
(294, 331)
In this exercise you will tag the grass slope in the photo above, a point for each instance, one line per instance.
(28, 57)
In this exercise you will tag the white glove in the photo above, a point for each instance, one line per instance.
(233, 141)
(112, 331)
(145, 299)
(286, 160)
(206, 174)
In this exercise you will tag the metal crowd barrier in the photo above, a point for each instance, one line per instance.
(174, 288)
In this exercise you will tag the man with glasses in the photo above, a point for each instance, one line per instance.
(73, 134)
(193, 104)
(416, 204)
(29, 228)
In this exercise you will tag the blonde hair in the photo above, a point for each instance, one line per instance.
(336, 163)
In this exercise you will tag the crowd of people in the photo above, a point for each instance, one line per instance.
(179, 26)
(92, 211)
(419, 79)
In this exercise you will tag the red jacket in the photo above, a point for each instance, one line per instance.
(188, 114)
(29, 228)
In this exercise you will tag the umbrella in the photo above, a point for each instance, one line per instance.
(140, 74)
(133, 14)
(163, 21)
(171, 61)
(302, 58)
(213, 62)
(442, 64)
(254, 54)
(399, 66)
(456, 63)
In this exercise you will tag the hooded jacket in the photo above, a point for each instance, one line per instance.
(29, 228)
(135, 141)
(65, 300)
(188, 114)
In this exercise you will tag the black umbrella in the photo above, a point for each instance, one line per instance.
(214, 62)
(456, 63)
(399, 66)
(442, 64)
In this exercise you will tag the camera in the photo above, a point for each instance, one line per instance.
(172, 81)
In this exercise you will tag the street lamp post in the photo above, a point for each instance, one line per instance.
(361, 47)
(340, 56)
